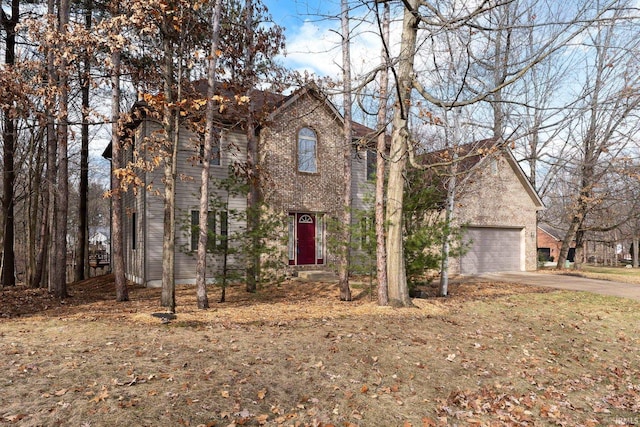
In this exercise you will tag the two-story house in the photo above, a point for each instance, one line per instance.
(301, 152)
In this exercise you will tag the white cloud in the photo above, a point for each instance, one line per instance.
(315, 47)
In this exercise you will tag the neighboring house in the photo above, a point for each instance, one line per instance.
(550, 243)
(100, 237)
(301, 164)
(99, 249)
(496, 206)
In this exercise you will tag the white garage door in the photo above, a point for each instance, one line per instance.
(492, 249)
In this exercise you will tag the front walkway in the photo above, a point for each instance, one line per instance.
(566, 282)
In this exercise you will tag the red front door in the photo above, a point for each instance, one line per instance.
(306, 233)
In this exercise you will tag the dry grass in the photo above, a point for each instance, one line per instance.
(616, 274)
(492, 354)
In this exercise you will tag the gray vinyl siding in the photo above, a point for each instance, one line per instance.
(133, 209)
(284, 188)
(187, 199)
(362, 191)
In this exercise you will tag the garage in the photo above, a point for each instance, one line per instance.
(492, 249)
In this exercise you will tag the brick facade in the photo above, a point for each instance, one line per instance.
(549, 243)
(287, 190)
(283, 186)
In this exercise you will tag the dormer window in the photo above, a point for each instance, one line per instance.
(307, 146)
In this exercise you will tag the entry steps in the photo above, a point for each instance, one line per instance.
(318, 275)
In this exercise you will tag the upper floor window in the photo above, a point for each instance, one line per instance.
(307, 146)
(215, 149)
(371, 164)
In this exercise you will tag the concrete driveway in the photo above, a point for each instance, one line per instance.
(559, 281)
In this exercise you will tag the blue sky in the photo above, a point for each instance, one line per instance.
(291, 14)
(307, 33)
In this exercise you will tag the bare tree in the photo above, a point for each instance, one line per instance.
(343, 266)
(431, 20)
(381, 150)
(171, 127)
(58, 277)
(9, 24)
(606, 122)
(201, 268)
(82, 244)
(117, 211)
(398, 290)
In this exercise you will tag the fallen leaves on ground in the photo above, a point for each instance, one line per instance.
(294, 355)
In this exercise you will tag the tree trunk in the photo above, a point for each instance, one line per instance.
(253, 214)
(636, 242)
(201, 267)
(171, 125)
(398, 289)
(59, 279)
(38, 279)
(569, 237)
(343, 266)
(381, 255)
(168, 298)
(36, 211)
(49, 253)
(9, 135)
(82, 246)
(443, 289)
(580, 250)
(117, 211)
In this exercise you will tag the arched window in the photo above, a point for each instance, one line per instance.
(307, 143)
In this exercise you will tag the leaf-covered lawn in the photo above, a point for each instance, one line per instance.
(491, 354)
(616, 274)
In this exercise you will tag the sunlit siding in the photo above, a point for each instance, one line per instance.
(133, 220)
(188, 196)
(494, 197)
(362, 191)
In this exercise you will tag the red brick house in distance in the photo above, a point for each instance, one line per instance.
(550, 243)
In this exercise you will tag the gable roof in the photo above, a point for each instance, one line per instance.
(522, 177)
(267, 104)
(553, 232)
(359, 130)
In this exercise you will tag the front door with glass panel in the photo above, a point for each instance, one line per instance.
(305, 239)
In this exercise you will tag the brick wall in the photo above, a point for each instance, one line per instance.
(285, 189)
(546, 240)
